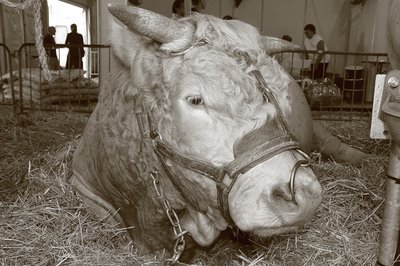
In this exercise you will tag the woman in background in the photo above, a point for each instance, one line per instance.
(75, 54)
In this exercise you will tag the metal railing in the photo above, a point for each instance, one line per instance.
(7, 92)
(344, 89)
(73, 88)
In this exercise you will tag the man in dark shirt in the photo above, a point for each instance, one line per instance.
(49, 43)
(198, 5)
(75, 54)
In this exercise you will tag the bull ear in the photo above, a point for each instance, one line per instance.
(125, 44)
(136, 53)
(171, 33)
(275, 45)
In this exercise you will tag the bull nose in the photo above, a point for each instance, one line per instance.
(309, 193)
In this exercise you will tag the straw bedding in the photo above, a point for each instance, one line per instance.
(42, 222)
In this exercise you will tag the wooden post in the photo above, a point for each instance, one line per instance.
(188, 7)
(389, 238)
(388, 244)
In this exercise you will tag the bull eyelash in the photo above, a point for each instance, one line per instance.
(195, 100)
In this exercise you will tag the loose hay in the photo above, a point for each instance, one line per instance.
(42, 222)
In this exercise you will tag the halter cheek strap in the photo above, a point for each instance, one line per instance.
(164, 151)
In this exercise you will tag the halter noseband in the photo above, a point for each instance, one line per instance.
(252, 149)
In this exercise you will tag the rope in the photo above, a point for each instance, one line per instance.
(37, 5)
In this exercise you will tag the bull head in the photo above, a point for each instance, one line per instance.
(205, 104)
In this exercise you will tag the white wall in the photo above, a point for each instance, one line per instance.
(279, 17)
(368, 26)
(250, 12)
(104, 22)
(344, 27)
(163, 7)
(284, 17)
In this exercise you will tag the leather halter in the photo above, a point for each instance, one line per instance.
(252, 149)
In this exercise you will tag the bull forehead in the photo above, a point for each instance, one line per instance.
(220, 79)
(233, 105)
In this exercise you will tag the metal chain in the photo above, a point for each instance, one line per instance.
(179, 246)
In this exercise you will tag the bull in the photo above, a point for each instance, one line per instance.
(197, 130)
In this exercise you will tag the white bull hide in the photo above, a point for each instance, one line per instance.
(192, 79)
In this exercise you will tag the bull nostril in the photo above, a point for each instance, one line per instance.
(282, 193)
(281, 199)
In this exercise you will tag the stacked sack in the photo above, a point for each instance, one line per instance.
(35, 88)
(321, 93)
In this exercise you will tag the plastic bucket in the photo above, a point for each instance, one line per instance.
(354, 72)
(353, 90)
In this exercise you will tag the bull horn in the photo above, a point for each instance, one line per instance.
(171, 33)
(275, 45)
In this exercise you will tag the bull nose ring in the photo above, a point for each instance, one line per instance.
(304, 163)
(307, 158)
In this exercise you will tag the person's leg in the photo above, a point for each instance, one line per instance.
(316, 71)
(324, 70)
(320, 71)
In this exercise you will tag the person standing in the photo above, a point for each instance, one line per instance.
(289, 60)
(198, 5)
(49, 44)
(75, 54)
(178, 9)
(315, 42)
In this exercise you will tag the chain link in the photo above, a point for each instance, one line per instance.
(179, 234)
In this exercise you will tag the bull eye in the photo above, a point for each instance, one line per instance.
(195, 100)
